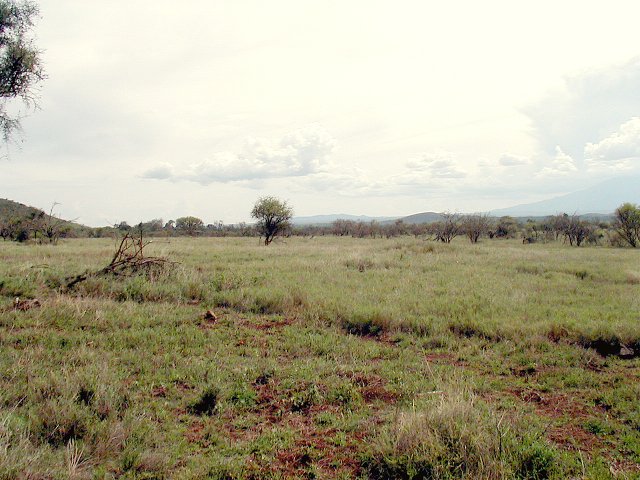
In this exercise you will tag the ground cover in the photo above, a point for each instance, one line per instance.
(327, 358)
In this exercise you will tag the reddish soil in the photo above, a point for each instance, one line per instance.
(182, 386)
(573, 437)
(556, 405)
(569, 435)
(194, 432)
(373, 387)
(268, 325)
(315, 444)
(159, 391)
(442, 358)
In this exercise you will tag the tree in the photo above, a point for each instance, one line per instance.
(52, 227)
(273, 217)
(577, 231)
(20, 64)
(189, 225)
(627, 223)
(446, 229)
(507, 227)
(474, 226)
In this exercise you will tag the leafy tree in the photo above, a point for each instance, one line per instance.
(507, 227)
(189, 225)
(20, 64)
(273, 217)
(627, 223)
(122, 226)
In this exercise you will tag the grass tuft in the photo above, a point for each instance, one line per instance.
(207, 402)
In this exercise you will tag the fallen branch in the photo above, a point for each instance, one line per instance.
(128, 259)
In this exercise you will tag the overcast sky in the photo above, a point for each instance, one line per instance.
(164, 109)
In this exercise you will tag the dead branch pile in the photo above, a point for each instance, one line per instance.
(129, 259)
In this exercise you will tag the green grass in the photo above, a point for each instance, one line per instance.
(330, 358)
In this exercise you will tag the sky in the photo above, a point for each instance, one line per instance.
(161, 109)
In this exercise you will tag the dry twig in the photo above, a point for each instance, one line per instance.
(129, 259)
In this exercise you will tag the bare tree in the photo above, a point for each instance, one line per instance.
(474, 226)
(52, 227)
(447, 228)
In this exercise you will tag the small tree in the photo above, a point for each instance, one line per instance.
(577, 231)
(474, 226)
(273, 217)
(52, 227)
(448, 228)
(627, 223)
(507, 227)
(189, 225)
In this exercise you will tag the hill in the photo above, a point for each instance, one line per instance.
(328, 219)
(424, 217)
(10, 210)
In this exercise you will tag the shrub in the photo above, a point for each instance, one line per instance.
(57, 422)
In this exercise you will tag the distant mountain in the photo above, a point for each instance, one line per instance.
(602, 198)
(425, 217)
(328, 219)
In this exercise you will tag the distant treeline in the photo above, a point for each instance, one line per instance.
(623, 230)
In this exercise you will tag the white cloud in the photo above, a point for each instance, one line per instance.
(163, 171)
(590, 105)
(435, 165)
(559, 165)
(509, 160)
(299, 153)
(618, 149)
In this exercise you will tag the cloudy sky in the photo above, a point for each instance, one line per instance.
(163, 109)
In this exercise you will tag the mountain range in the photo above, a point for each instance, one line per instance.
(596, 202)
(328, 219)
(602, 198)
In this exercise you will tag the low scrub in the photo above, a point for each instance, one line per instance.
(455, 436)
(366, 322)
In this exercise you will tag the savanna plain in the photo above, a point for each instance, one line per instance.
(325, 357)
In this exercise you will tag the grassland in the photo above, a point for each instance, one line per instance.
(329, 358)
